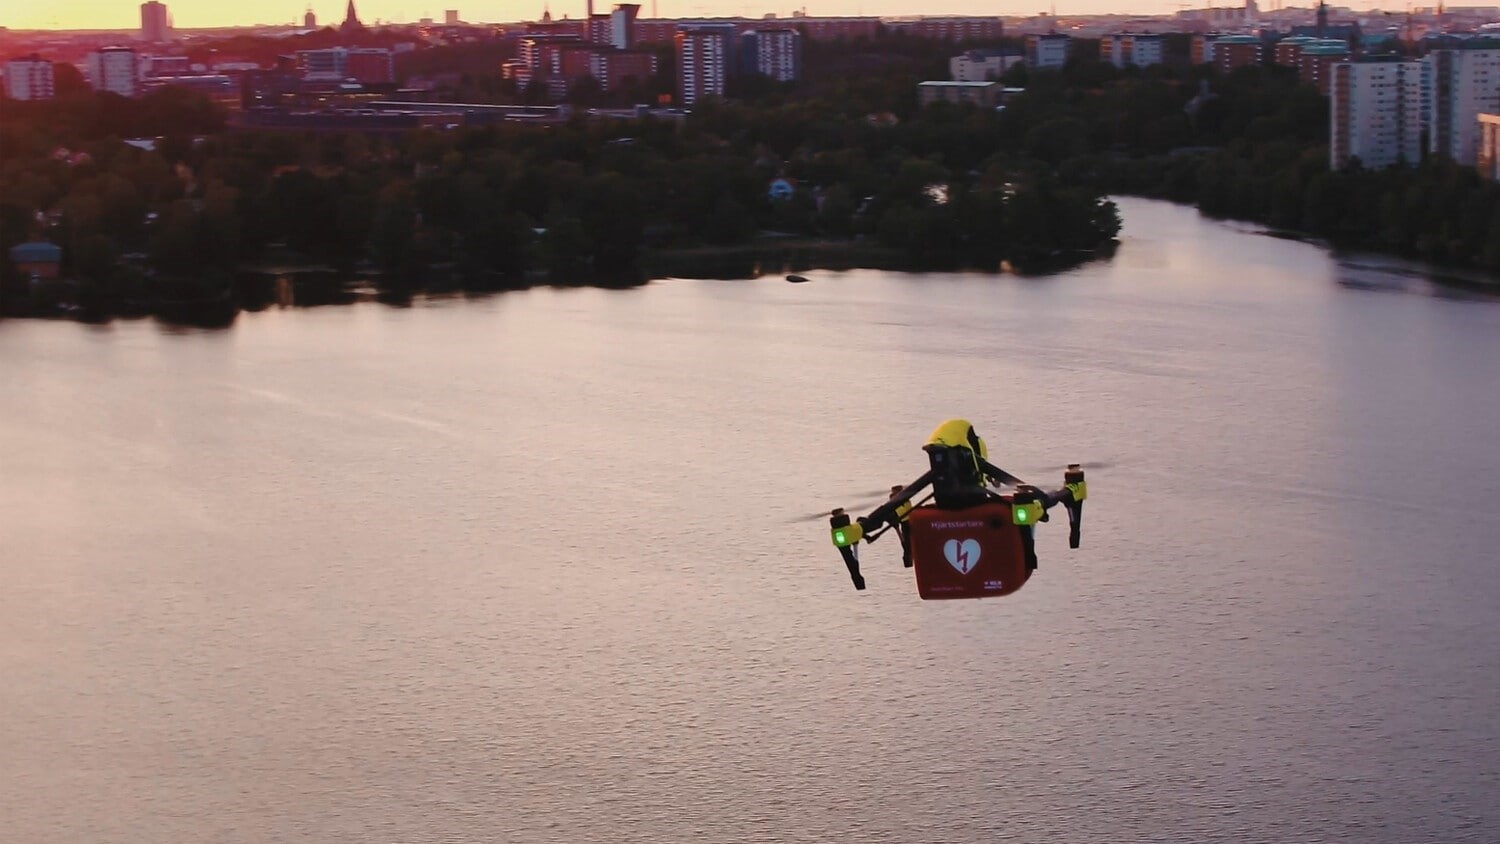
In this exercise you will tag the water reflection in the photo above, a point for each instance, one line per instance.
(526, 566)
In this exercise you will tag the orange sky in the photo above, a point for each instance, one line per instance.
(118, 14)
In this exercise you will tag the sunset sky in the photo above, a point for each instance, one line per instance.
(122, 14)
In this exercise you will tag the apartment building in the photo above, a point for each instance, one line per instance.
(29, 78)
(1377, 112)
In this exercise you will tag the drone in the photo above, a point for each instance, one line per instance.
(973, 534)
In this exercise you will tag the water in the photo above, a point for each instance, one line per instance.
(535, 567)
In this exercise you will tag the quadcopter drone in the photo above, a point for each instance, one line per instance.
(967, 538)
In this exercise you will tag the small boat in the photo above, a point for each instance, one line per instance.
(796, 279)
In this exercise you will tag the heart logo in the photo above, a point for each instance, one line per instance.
(963, 556)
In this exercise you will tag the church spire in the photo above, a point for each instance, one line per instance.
(351, 19)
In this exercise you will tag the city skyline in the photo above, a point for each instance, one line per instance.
(201, 14)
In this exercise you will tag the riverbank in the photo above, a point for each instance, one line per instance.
(218, 297)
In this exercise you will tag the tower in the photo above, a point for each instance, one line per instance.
(351, 19)
(155, 27)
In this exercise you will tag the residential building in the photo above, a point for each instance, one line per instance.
(329, 65)
(703, 60)
(615, 68)
(115, 69)
(1048, 50)
(30, 78)
(622, 26)
(1234, 51)
(540, 52)
(775, 53)
(836, 29)
(986, 94)
(981, 65)
(1316, 59)
(1376, 110)
(950, 28)
(1201, 50)
(156, 28)
(1126, 49)
(1288, 51)
(597, 29)
(1465, 83)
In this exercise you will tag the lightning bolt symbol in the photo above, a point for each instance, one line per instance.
(963, 558)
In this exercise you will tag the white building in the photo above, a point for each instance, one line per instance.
(329, 65)
(1465, 82)
(1377, 113)
(776, 53)
(115, 69)
(622, 26)
(1050, 50)
(29, 78)
(980, 65)
(702, 61)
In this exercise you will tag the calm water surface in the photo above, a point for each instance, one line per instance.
(530, 568)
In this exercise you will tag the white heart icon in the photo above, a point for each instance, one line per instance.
(963, 556)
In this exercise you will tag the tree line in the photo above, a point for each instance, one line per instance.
(500, 206)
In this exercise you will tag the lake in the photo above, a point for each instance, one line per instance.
(546, 566)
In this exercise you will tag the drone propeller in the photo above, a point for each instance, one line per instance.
(863, 500)
(1052, 470)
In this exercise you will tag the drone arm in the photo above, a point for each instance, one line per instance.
(1072, 495)
(891, 512)
(999, 475)
(847, 534)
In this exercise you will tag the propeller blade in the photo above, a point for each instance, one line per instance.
(863, 501)
(1085, 466)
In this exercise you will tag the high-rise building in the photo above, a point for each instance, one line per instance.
(29, 78)
(703, 57)
(622, 26)
(776, 53)
(1314, 65)
(155, 27)
(309, 20)
(450, 17)
(616, 67)
(1465, 83)
(115, 69)
(596, 29)
(1376, 113)
(1050, 50)
(1233, 51)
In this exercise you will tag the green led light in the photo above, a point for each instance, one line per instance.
(1020, 515)
(838, 538)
